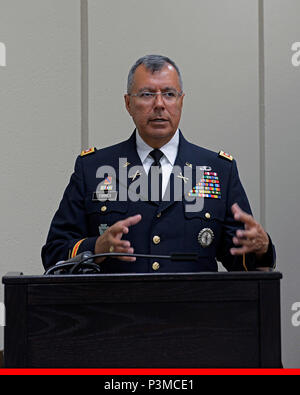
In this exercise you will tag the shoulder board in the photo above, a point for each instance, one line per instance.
(88, 152)
(223, 154)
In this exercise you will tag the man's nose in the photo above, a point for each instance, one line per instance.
(159, 101)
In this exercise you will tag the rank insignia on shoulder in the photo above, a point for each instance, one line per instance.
(224, 155)
(88, 151)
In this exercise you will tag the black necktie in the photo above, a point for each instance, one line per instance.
(156, 154)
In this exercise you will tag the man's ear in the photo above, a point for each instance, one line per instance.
(182, 98)
(127, 103)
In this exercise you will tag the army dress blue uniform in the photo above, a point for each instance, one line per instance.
(166, 226)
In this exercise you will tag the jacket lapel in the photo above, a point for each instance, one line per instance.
(132, 168)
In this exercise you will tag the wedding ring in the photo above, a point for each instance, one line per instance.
(111, 249)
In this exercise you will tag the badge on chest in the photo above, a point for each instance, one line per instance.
(206, 237)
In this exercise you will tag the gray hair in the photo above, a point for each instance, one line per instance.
(152, 63)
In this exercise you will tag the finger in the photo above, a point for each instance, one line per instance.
(247, 234)
(127, 258)
(119, 236)
(118, 228)
(117, 242)
(122, 226)
(239, 251)
(122, 244)
(242, 216)
(236, 241)
(132, 220)
(247, 219)
(121, 250)
(250, 243)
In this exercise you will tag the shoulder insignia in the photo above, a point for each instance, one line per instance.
(223, 154)
(89, 151)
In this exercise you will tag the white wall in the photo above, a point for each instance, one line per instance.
(282, 29)
(40, 125)
(216, 44)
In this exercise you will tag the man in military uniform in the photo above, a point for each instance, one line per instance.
(93, 217)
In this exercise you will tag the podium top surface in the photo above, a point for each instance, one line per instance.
(19, 278)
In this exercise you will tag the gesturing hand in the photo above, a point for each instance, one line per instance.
(111, 240)
(253, 239)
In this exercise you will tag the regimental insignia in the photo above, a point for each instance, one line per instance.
(205, 168)
(208, 187)
(206, 237)
(108, 181)
(88, 151)
(106, 188)
(103, 228)
(136, 175)
(185, 179)
(224, 155)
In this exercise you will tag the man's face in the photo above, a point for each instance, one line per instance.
(157, 120)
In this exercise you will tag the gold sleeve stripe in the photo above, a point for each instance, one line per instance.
(244, 262)
(76, 248)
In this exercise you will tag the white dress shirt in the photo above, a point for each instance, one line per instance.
(167, 161)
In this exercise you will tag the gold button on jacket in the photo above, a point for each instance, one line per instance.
(156, 239)
(155, 266)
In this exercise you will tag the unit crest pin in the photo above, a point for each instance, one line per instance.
(206, 237)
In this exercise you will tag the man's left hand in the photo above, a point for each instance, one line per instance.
(253, 239)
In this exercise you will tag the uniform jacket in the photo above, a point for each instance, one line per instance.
(166, 227)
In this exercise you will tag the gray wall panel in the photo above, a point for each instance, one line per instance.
(39, 122)
(282, 153)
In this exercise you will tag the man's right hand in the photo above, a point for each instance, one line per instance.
(111, 240)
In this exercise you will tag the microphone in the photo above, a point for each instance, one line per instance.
(84, 262)
(84, 256)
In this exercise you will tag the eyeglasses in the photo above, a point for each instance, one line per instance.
(149, 97)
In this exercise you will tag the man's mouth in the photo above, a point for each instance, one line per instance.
(159, 120)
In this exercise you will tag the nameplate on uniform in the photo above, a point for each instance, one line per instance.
(104, 196)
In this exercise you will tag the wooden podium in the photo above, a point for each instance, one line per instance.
(215, 320)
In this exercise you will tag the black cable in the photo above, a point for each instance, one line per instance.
(76, 265)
